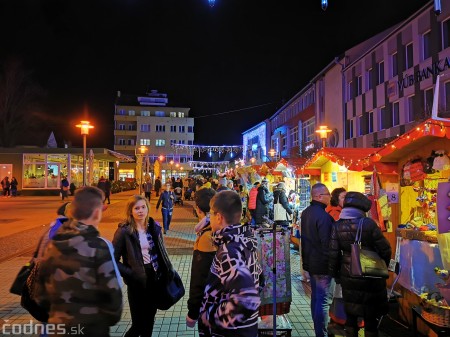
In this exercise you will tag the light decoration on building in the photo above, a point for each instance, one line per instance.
(260, 133)
(211, 3)
(324, 4)
(207, 148)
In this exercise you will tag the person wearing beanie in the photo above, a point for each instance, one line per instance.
(315, 238)
(363, 297)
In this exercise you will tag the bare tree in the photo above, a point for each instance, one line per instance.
(19, 96)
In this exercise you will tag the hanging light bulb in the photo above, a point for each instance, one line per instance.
(212, 3)
(324, 4)
(210, 153)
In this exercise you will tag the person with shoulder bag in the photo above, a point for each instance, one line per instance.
(144, 265)
(281, 209)
(363, 296)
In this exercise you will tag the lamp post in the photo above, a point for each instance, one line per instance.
(84, 128)
(142, 150)
(323, 134)
(171, 165)
(273, 154)
(252, 160)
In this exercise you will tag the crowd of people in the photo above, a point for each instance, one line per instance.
(77, 265)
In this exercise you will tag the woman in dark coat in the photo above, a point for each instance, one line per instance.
(363, 297)
(263, 200)
(279, 196)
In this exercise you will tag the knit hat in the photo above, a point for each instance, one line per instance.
(357, 200)
(223, 181)
(256, 183)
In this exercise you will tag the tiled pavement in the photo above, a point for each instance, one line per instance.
(179, 242)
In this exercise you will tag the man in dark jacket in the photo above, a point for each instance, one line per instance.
(316, 231)
(263, 200)
(166, 200)
(157, 186)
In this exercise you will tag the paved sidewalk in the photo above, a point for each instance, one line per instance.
(179, 242)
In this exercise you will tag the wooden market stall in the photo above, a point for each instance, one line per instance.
(422, 224)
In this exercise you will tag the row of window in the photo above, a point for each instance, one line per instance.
(299, 105)
(356, 89)
(308, 134)
(146, 113)
(147, 142)
(158, 128)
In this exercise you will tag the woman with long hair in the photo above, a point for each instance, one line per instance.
(139, 251)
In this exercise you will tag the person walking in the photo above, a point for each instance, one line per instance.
(336, 202)
(166, 200)
(263, 200)
(363, 297)
(108, 190)
(148, 187)
(78, 281)
(280, 197)
(102, 185)
(64, 188)
(231, 299)
(157, 186)
(6, 185)
(202, 257)
(140, 254)
(14, 184)
(316, 230)
(252, 195)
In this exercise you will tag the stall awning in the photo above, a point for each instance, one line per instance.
(351, 158)
(414, 139)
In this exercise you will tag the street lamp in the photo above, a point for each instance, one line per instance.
(142, 150)
(252, 160)
(84, 128)
(323, 134)
(272, 153)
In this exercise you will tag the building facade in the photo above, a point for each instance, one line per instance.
(390, 79)
(148, 120)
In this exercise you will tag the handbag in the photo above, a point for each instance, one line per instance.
(363, 262)
(170, 290)
(279, 213)
(21, 279)
(27, 299)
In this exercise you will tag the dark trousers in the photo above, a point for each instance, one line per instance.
(370, 322)
(167, 218)
(142, 306)
(107, 197)
(147, 195)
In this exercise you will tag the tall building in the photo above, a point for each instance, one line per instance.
(148, 120)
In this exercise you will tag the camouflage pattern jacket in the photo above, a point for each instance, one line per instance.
(78, 279)
(231, 300)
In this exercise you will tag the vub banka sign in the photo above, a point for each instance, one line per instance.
(436, 68)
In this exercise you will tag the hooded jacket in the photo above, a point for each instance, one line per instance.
(78, 280)
(231, 300)
(263, 200)
(279, 196)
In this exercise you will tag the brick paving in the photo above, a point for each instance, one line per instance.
(179, 242)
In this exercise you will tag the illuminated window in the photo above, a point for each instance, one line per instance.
(145, 128)
(173, 114)
(159, 113)
(145, 113)
(131, 113)
(180, 114)
(144, 141)
(160, 142)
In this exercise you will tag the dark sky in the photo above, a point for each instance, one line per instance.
(238, 54)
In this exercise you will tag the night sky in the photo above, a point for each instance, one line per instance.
(236, 55)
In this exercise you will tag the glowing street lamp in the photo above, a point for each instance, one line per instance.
(272, 153)
(84, 128)
(323, 134)
(252, 160)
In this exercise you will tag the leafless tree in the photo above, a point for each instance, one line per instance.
(19, 97)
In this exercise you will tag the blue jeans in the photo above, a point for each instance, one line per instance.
(322, 288)
(167, 217)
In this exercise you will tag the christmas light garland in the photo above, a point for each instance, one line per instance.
(207, 148)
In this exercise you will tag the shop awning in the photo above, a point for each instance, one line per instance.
(351, 158)
(120, 156)
(414, 139)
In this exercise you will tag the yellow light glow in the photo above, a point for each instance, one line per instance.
(85, 126)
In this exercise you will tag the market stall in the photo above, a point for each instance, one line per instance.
(422, 225)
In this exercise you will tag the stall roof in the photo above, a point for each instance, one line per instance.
(414, 139)
(348, 157)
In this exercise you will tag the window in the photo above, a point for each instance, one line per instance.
(181, 142)
(159, 113)
(350, 128)
(144, 141)
(190, 129)
(181, 114)
(308, 130)
(369, 79)
(426, 45)
(190, 142)
(446, 112)
(409, 59)
(121, 141)
(181, 129)
(394, 64)
(145, 128)
(360, 126)
(131, 127)
(294, 136)
(446, 34)
(428, 101)
(411, 114)
(350, 90)
(172, 142)
(132, 113)
(173, 128)
(284, 143)
(160, 142)
(145, 113)
(122, 112)
(130, 141)
(370, 122)
(380, 72)
(160, 128)
(173, 114)
(381, 119)
(358, 85)
(395, 114)
(121, 126)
